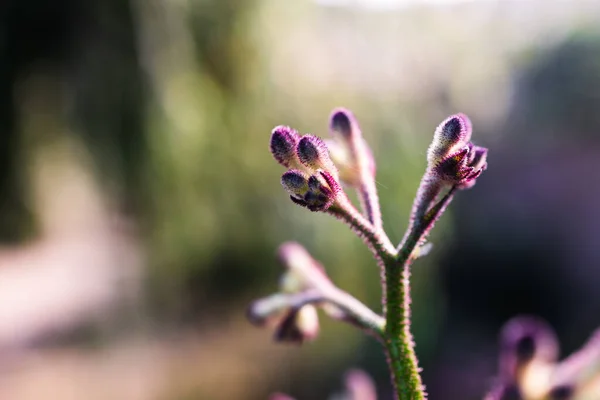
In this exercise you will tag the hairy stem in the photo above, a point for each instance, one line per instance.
(376, 239)
(369, 201)
(399, 343)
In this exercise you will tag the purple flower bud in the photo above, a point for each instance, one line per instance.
(342, 122)
(313, 153)
(461, 168)
(450, 136)
(295, 182)
(524, 339)
(562, 392)
(317, 192)
(283, 145)
(478, 160)
(303, 271)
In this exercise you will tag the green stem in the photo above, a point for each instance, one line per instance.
(399, 343)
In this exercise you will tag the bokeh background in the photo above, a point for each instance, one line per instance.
(140, 210)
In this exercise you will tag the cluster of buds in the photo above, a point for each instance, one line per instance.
(292, 310)
(452, 158)
(530, 370)
(317, 168)
(312, 178)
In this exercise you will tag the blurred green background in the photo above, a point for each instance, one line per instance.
(140, 209)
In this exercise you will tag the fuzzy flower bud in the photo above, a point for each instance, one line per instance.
(452, 158)
(450, 136)
(348, 149)
(284, 141)
(313, 153)
(295, 319)
(303, 271)
(316, 192)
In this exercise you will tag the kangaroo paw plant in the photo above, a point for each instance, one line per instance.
(529, 368)
(317, 171)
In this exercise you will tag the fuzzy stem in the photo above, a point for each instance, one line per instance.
(399, 342)
(347, 308)
(398, 338)
(429, 189)
(376, 239)
(369, 201)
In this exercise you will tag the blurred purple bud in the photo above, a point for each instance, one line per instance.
(298, 325)
(524, 339)
(342, 122)
(313, 153)
(280, 396)
(562, 392)
(283, 145)
(360, 386)
(304, 272)
(450, 136)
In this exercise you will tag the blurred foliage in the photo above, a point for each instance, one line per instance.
(175, 101)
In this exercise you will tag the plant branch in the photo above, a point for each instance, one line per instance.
(342, 306)
(398, 338)
(376, 239)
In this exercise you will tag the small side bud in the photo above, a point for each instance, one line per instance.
(524, 340)
(313, 153)
(283, 145)
(461, 168)
(342, 122)
(360, 386)
(562, 392)
(280, 396)
(449, 137)
(303, 271)
(295, 183)
(317, 192)
(298, 325)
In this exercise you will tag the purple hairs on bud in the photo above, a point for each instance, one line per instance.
(283, 145)
(451, 135)
(313, 153)
(317, 192)
(295, 182)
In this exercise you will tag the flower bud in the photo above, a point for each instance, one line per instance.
(303, 271)
(298, 325)
(523, 340)
(295, 183)
(317, 193)
(343, 123)
(348, 149)
(283, 145)
(313, 153)
(449, 137)
(461, 168)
